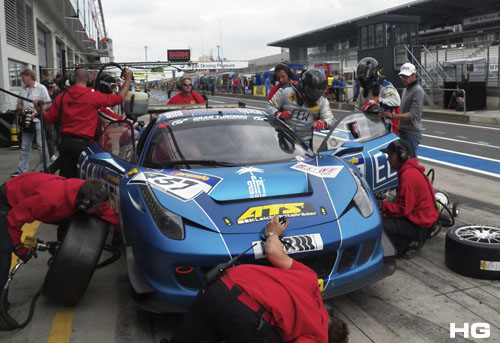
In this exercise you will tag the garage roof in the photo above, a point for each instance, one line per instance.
(433, 13)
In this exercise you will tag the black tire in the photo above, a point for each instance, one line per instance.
(474, 251)
(76, 259)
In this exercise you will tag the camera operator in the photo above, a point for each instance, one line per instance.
(251, 303)
(33, 91)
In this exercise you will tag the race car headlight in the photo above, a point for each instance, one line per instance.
(361, 199)
(169, 224)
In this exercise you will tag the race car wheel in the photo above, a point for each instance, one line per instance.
(76, 259)
(474, 251)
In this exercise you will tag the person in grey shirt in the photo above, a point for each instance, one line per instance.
(302, 106)
(412, 102)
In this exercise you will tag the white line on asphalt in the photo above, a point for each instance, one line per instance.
(460, 153)
(462, 141)
(458, 166)
(459, 124)
(220, 102)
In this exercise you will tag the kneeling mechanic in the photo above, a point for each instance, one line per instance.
(408, 220)
(47, 198)
(254, 303)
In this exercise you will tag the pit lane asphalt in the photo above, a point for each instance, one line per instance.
(416, 304)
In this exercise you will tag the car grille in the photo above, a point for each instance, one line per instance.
(321, 264)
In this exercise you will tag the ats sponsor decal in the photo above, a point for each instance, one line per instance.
(267, 212)
(325, 171)
(358, 161)
(292, 245)
(256, 186)
(180, 184)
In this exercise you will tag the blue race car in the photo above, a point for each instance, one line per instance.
(198, 186)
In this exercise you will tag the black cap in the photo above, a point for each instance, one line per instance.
(393, 147)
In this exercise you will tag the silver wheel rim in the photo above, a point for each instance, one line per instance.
(479, 234)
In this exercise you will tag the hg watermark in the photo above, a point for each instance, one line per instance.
(476, 330)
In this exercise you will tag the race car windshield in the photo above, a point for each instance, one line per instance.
(214, 141)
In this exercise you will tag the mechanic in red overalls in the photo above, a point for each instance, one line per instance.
(251, 303)
(408, 221)
(186, 96)
(79, 117)
(47, 198)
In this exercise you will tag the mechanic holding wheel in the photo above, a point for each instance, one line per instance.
(408, 221)
(78, 111)
(47, 198)
(251, 303)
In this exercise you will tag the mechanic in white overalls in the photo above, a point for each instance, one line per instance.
(303, 106)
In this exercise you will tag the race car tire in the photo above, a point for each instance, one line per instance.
(76, 259)
(474, 251)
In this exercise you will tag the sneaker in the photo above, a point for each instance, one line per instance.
(16, 173)
(53, 158)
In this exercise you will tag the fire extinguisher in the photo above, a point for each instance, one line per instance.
(14, 131)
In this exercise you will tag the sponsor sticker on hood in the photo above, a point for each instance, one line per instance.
(262, 213)
(324, 171)
(184, 185)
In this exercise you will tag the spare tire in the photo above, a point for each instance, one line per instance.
(474, 251)
(76, 259)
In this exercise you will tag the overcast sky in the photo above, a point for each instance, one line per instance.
(242, 27)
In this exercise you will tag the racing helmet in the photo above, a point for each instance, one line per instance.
(312, 84)
(105, 84)
(367, 72)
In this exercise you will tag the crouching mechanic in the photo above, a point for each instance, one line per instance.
(47, 198)
(408, 220)
(302, 106)
(255, 303)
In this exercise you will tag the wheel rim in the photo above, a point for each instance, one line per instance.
(479, 234)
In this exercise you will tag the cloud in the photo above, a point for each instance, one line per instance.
(242, 28)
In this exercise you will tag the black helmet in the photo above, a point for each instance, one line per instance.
(104, 84)
(313, 85)
(367, 71)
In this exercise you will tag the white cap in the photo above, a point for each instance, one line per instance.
(407, 69)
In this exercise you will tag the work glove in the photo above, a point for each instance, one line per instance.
(369, 104)
(24, 253)
(319, 125)
(285, 115)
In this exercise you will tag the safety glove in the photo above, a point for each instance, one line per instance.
(24, 253)
(285, 115)
(319, 125)
(369, 104)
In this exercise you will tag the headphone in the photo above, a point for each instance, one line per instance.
(179, 84)
(100, 196)
(401, 151)
(285, 67)
(72, 77)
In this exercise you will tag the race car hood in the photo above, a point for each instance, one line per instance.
(219, 198)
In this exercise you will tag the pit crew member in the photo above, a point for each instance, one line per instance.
(302, 106)
(186, 96)
(79, 117)
(47, 198)
(284, 75)
(251, 303)
(408, 220)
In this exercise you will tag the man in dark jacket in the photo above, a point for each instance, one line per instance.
(79, 117)
(408, 220)
(46, 198)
